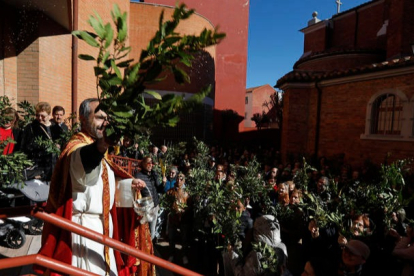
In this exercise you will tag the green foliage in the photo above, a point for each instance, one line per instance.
(274, 107)
(47, 145)
(221, 208)
(214, 201)
(144, 141)
(267, 258)
(168, 201)
(200, 177)
(260, 119)
(392, 175)
(301, 179)
(319, 211)
(4, 103)
(121, 84)
(251, 183)
(66, 135)
(283, 213)
(174, 153)
(27, 111)
(12, 166)
(377, 197)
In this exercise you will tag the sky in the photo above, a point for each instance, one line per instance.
(275, 42)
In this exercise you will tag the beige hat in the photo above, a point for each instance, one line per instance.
(358, 248)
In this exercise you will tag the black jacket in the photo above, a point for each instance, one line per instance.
(38, 154)
(153, 184)
(57, 130)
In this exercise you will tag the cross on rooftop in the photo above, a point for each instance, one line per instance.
(338, 3)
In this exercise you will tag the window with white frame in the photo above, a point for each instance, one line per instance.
(389, 116)
(386, 116)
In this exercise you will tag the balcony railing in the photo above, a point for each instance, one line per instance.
(80, 230)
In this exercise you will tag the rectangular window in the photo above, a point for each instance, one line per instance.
(247, 100)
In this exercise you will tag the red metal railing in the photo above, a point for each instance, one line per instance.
(90, 234)
(128, 164)
(45, 262)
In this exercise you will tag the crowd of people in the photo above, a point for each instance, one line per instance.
(363, 240)
(287, 219)
(48, 125)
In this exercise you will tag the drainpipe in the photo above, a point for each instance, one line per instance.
(74, 59)
(318, 118)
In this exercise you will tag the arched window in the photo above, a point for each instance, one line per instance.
(387, 114)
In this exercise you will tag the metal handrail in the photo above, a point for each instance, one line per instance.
(93, 235)
(128, 164)
(45, 262)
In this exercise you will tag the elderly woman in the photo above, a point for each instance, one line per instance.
(169, 182)
(40, 128)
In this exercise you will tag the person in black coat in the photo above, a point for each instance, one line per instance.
(151, 179)
(58, 123)
(40, 128)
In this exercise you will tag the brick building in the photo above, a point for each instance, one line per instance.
(254, 100)
(38, 54)
(352, 90)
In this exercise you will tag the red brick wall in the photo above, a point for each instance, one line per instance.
(144, 24)
(343, 33)
(353, 29)
(344, 106)
(8, 59)
(231, 54)
(36, 55)
(408, 28)
(28, 73)
(370, 21)
(86, 78)
(316, 41)
(343, 114)
(55, 81)
(257, 98)
(296, 116)
(260, 95)
(343, 120)
(55, 52)
(395, 28)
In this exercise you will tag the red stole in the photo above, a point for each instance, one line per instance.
(56, 242)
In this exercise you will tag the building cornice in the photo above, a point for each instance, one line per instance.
(369, 76)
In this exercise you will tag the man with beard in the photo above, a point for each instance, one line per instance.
(83, 191)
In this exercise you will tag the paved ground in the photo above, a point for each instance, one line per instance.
(31, 246)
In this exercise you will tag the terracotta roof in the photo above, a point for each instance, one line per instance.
(310, 76)
(334, 52)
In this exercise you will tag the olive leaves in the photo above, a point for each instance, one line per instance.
(121, 82)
